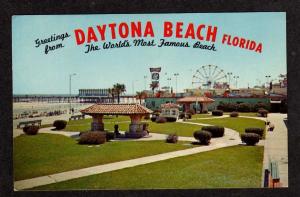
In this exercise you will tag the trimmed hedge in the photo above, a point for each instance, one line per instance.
(92, 137)
(244, 107)
(153, 118)
(31, 130)
(172, 138)
(216, 131)
(171, 119)
(187, 115)
(217, 113)
(203, 136)
(161, 120)
(258, 131)
(234, 114)
(263, 112)
(60, 124)
(110, 136)
(250, 138)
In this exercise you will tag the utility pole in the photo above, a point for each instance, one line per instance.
(229, 77)
(236, 80)
(70, 89)
(176, 75)
(145, 79)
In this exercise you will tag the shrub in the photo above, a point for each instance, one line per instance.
(161, 120)
(60, 124)
(216, 131)
(110, 136)
(244, 107)
(217, 113)
(203, 136)
(92, 137)
(227, 107)
(204, 112)
(31, 130)
(262, 112)
(153, 118)
(188, 115)
(258, 106)
(171, 119)
(250, 138)
(172, 138)
(258, 131)
(234, 114)
(181, 116)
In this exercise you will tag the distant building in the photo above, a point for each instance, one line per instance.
(103, 96)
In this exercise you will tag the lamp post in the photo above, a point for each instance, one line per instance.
(236, 80)
(169, 82)
(176, 75)
(268, 78)
(70, 89)
(229, 77)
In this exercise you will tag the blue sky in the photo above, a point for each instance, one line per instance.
(37, 73)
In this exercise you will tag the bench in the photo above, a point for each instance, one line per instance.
(31, 122)
(77, 117)
(274, 173)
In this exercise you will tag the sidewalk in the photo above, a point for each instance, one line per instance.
(276, 146)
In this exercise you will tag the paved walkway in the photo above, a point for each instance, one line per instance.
(276, 146)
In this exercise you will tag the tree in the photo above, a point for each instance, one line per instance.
(118, 90)
(111, 91)
(154, 85)
(141, 95)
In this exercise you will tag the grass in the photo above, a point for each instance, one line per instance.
(238, 124)
(45, 154)
(231, 167)
(201, 116)
(251, 114)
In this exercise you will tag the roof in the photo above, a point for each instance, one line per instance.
(116, 109)
(169, 105)
(192, 99)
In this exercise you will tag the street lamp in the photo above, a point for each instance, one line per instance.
(229, 77)
(176, 75)
(145, 79)
(236, 80)
(268, 78)
(70, 86)
(169, 81)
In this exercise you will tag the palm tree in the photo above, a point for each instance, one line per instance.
(141, 95)
(111, 91)
(119, 89)
(153, 86)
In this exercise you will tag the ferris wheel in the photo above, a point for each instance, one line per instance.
(209, 76)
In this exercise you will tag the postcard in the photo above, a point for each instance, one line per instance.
(149, 101)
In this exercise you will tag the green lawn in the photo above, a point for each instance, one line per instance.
(238, 124)
(201, 116)
(45, 154)
(180, 129)
(251, 114)
(232, 167)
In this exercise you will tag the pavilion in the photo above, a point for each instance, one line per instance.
(134, 111)
(189, 100)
